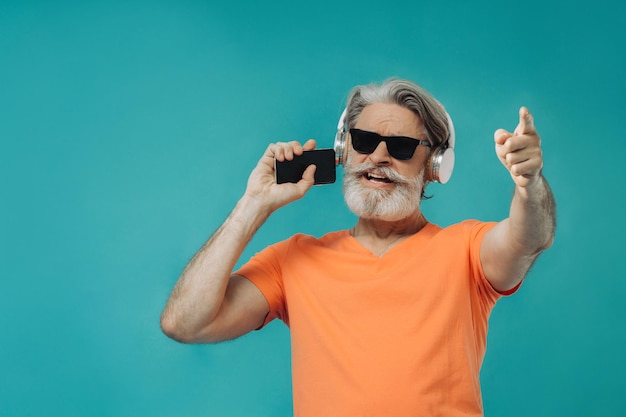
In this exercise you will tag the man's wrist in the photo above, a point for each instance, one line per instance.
(252, 209)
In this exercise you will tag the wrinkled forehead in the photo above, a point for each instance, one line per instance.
(390, 120)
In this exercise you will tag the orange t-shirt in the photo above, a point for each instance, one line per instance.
(400, 335)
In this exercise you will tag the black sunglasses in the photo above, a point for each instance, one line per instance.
(399, 147)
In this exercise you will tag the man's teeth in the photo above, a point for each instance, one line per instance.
(375, 177)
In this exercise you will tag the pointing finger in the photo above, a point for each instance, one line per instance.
(526, 125)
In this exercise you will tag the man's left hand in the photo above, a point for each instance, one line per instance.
(520, 151)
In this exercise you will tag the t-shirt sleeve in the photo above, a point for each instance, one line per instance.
(477, 231)
(265, 271)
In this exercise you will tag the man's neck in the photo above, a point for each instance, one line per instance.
(380, 236)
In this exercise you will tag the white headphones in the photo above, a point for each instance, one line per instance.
(440, 163)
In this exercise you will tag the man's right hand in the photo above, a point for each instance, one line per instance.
(262, 186)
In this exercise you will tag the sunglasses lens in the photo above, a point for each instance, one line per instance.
(365, 142)
(402, 148)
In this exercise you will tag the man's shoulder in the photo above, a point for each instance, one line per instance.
(469, 227)
(327, 239)
(466, 224)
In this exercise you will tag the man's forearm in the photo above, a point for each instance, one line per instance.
(532, 219)
(199, 292)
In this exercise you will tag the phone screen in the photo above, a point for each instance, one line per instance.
(323, 159)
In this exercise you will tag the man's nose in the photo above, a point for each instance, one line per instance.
(381, 155)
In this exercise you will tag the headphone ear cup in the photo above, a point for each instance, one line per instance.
(340, 147)
(440, 165)
(441, 161)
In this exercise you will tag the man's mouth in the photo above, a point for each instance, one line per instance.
(370, 176)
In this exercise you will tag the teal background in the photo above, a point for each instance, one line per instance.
(128, 130)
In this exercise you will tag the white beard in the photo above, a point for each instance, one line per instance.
(387, 205)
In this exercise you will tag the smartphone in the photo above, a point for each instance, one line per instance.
(291, 171)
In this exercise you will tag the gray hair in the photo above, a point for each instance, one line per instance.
(406, 94)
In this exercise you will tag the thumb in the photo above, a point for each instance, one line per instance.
(500, 136)
(526, 125)
(308, 178)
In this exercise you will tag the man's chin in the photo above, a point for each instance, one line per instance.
(399, 202)
(364, 209)
(389, 218)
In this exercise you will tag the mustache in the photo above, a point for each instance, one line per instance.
(367, 167)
